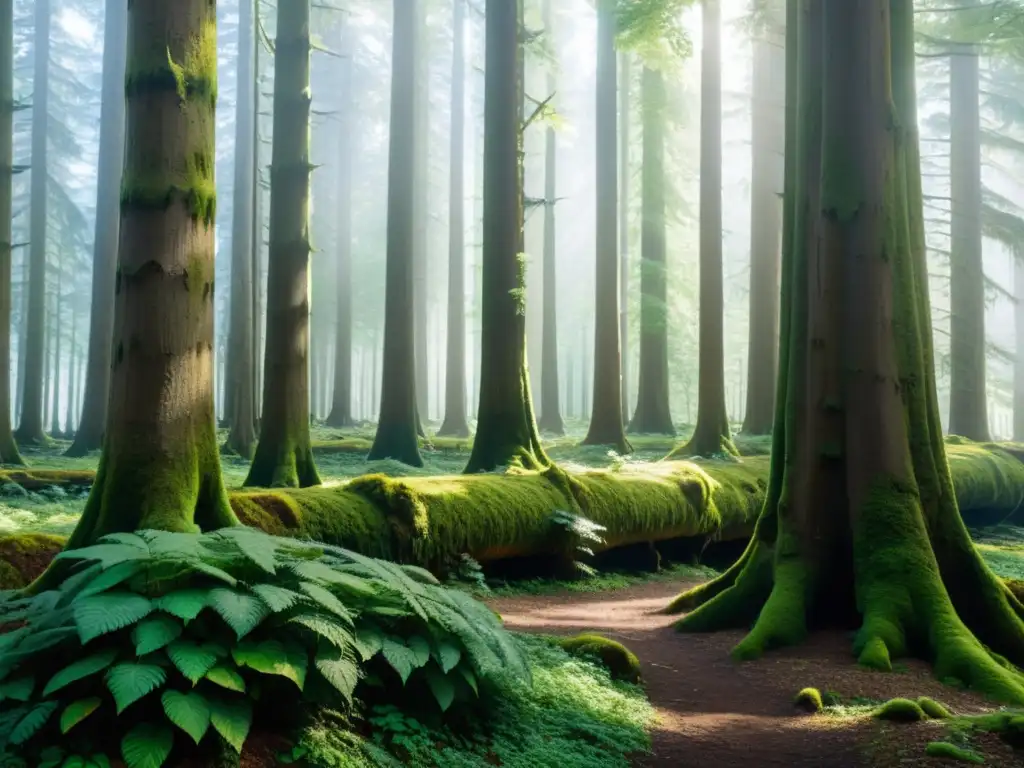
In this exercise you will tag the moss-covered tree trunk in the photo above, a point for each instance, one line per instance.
(341, 396)
(606, 427)
(9, 453)
(711, 434)
(160, 466)
(30, 427)
(968, 402)
(284, 454)
(550, 401)
(240, 380)
(765, 234)
(506, 429)
(625, 83)
(455, 422)
(652, 413)
(89, 436)
(860, 520)
(398, 422)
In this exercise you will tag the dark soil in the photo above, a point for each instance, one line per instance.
(715, 712)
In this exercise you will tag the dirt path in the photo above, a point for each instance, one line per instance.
(714, 713)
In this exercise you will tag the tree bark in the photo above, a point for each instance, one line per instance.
(58, 306)
(70, 414)
(455, 423)
(652, 404)
(1018, 365)
(606, 426)
(860, 519)
(398, 423)
(341, 397)
(284, 454)
(89, 435)
(625, 83)
(506, 429)
(241, 438)
(160, 467)
(968, 403)
(421, 217)
(30, 428)
(9, 453)
(711, 435)
(765, 236)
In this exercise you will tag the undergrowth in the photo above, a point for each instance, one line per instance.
(602, 581)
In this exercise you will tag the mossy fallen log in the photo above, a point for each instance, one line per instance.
(431, 521)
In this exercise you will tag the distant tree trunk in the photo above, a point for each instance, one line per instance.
(47, 358)
(624, 160)
(606, 426)
(398, 423)
(506, 430)
(160, 466)
(341, 398)
(30, 429)
(58, 302)
(1018, 366)
(551, 412)
(652, 404)
(89, 435)
(765, 236)
(9, 453)
(421, 216)
(70, 413)
(257, 241)
(711, 434)
(284, 454)
(968, 404)
(455, 423)
(240, 379)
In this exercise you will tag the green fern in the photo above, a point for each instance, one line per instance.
(155, 632)
(129, 682)
(240, 611)
(191, 659)
(31, 722)
(96, 615)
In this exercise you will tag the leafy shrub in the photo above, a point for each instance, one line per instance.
(576, 535)
(156, 636)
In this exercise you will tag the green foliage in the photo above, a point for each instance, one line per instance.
(187, 630)
(575, 535)
(809, 699)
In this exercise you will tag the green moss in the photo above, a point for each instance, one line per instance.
(614, 656)
(943, 749)
(194, 77)
(901, 711)
(24, 556)
(809, 699)
(194, 185)
(933, 709)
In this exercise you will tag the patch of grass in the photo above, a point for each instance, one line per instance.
(574, 716)
(600, 582)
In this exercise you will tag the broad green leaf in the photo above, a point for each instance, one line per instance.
(421, 575)
(469, 676)
(401, 659)
(241, 611)
(131, 539)
(31, 723)
(326, 599)
(271, 657)
(420, 648)
(278, 599)
(232, 719)
(51, 757)
(111, 577)
(18, 689)
(147, 745)
(155, 632)
(192, 660)
(369, 641)
(340, 671)
(108, 612)
(186, 604)
(447, 655)
(80, 669)
(188, 711)
(329, 629)
(129, 682)
(255, 545)
(226, 677)
(77, 711)
(107, 554)
(213, 571)
(441, 686)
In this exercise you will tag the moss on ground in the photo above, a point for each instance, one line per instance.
(809, 699)
(900, 711)
(944, 749)
(24, 556)
(933, 709)
(620, 662)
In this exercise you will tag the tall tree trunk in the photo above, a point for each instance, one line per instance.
(652, 403)
(70, 414)
(860, 519)
(55, 376)
(398, 423)
(968, 404)
(455, 422)
(506, 429)
(9, 453)
(30, 428)
(1018, 366)
(47, 358)
(160, 466)
(284, 454)
(89, 435)
(606, 426)
(341, 397)
(240, 379)
(765, 235)
(551, 411)
(421, 216)
(625, 81)
(711, 435)
(257, 240)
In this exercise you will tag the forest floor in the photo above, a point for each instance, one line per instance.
(715, 712)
